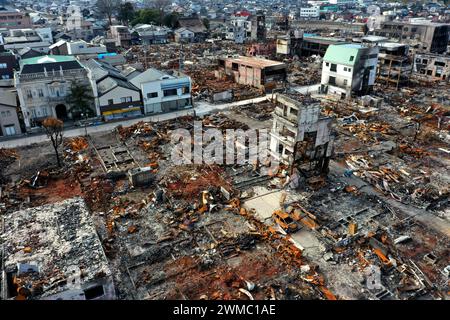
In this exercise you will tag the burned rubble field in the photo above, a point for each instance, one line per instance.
(191, 232)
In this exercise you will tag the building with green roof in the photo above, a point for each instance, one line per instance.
(43, 84)
(349, 69)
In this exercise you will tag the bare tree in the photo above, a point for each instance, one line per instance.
(108, 8)
(160, 5)
(53, 128)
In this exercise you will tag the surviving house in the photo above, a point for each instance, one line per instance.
(7, 63)
(9, 122)
(43, 84)
(349, 68)
(11, 18)
(184, 35)
(115, 97)
(164, 92)
(79, 28)
(150, 34)
(260, 73)
(23, 38)
(79, 48)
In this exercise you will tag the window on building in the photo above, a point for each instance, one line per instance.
(10, 130)
(333, 67)
(44, 111)
(349, 69)
(126, 99)
(345, 82)
(33, 113)
(5, 76)
(3, 66)
(429, 72)
(425, 61)
(352, 57)
(373, 56)
(40, 92)
(152, 95)
(3, 114)
(327, 64)
(29, 94)
(110, 101)
(234, 66)
(332, 80)
(170, 92)
(8, 113)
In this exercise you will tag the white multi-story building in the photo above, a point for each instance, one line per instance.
(164, 92)
(43, 84)
(349, 68)
(313, 12)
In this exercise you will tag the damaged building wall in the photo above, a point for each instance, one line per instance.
(257, 72)
(432, 67)
(300, 134)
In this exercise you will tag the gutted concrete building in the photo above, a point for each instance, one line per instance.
(260, 73)
(424, 36)
(394, 64)
(300, 135)
(53, 252)
(431, 67)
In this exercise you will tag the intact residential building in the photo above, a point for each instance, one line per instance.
(164, 92)
(260, 73)
(77, 48)
(11, 18)
(79, 28)
(9, 122)
(22, 38)
(7, 63)
(43, 84)
(349, 68)
(115, 96)
(184, 35)
(150, 34)
(194, 24)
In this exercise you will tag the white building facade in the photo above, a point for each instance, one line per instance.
(349, 68)
(163, 92)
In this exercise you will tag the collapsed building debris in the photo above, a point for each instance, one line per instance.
(53, 252)
(373, 200)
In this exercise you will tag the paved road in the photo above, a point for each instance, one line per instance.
(201, 108)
